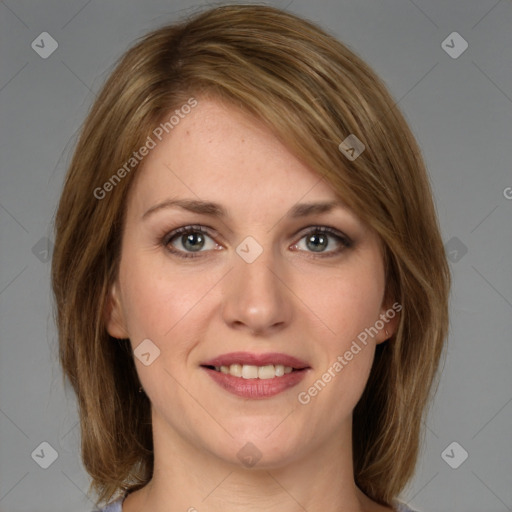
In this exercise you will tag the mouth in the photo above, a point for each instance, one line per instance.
(247, 365)
(256, 376)
(249, 371)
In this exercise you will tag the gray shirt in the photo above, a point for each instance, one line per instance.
(116, 506)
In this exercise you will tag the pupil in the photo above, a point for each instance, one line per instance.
(191, 239)
(318, 242)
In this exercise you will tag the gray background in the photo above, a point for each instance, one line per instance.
(459, 109)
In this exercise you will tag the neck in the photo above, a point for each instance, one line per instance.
(186, 477)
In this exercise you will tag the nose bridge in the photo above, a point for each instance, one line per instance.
(254, 296)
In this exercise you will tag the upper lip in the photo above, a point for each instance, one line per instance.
(249, 358)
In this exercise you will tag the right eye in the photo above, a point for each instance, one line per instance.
(187, 240)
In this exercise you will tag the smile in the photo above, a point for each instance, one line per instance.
(256, 376)
(247, 371)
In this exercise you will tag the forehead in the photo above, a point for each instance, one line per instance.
(220, 154)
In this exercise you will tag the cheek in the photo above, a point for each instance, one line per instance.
(348, 304)
(345, 361)
(158, 299)
(345, 303)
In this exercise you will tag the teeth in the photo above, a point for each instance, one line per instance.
(248, 371)
(267, 372)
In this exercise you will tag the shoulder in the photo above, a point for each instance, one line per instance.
(402, 507)
(115, 506)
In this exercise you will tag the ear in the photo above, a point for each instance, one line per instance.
(389, 317)
(114, 317)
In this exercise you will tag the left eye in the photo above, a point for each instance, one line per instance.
(319, 239)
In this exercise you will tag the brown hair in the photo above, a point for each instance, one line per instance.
(312, 92)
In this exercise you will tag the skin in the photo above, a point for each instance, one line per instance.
(290, 300)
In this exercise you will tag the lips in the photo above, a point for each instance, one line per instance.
(256, 376)
(248, 358)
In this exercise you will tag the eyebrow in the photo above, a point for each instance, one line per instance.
(216, 210)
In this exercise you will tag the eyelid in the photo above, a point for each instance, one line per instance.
(324, 228)
(201, 228)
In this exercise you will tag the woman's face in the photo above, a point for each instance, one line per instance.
(257, 276)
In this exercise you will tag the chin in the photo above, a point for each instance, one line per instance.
(252, 450)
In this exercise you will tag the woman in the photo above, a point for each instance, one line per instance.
(250, 283)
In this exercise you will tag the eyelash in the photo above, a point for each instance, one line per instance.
(344, 241)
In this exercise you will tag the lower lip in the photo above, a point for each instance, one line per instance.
(256, 388)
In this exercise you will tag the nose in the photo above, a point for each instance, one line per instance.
(256, 297)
